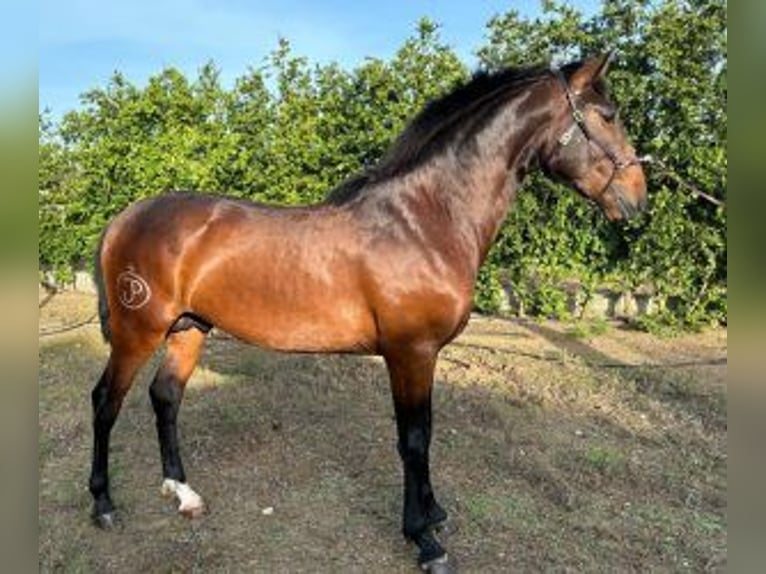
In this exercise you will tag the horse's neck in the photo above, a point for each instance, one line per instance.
(478, 193)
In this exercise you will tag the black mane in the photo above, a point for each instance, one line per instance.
(469, 105)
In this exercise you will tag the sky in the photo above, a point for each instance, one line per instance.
(83, 42)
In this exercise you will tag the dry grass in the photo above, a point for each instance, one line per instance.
(550, 455)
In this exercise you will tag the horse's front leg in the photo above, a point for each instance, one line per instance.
(411, 372)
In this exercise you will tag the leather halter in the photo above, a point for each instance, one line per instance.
(618, 162)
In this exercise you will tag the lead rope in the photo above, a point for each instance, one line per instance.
(617, 162)
(665, 170)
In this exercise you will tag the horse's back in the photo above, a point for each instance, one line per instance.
(284, 278)
(157, 222)
(314, 278)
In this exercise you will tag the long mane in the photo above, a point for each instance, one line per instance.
(461, 111)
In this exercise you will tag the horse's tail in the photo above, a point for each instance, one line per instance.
(98, 278)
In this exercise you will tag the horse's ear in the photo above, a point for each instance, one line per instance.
(592, 70)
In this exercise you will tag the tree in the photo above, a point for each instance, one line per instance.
(288, 131)
(670, 83)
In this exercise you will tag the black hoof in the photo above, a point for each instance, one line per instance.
(431, 552)
(104, 521)
(439, 565)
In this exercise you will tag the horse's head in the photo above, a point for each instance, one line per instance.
(588, 147)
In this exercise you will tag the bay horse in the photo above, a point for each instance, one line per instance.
(385, 265)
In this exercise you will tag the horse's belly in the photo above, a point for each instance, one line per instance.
(335, 328)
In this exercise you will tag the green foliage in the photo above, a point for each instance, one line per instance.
(585, 329)
(289, 131)
(670, 84)
(488, 295)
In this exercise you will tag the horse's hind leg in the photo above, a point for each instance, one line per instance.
(107, 396)
(166, 391)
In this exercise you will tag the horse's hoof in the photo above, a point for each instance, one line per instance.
(104, 521)
(440, 565)
(193, 511)
(191, 504)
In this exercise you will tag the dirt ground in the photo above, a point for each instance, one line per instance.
(556, 449)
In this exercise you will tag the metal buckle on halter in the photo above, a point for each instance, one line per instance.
(567, 136)
(577, 115)
(618, 163)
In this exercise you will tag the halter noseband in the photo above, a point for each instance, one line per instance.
(618, 163)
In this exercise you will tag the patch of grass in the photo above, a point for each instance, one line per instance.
(501, 508)
(605, 460)
(45, 446)
(229, 417)
(586, 329)
(707, 523)
(73, 560)
(684, 539)
(683, 390)
(665, 325)
(680, 385)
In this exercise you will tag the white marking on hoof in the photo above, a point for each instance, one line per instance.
(440, 564)
(104, 521)
(190, 503)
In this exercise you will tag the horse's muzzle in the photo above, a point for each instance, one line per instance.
(629, 210)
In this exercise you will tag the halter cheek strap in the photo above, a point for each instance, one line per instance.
(618, 162)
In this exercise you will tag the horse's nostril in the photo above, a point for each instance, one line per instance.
(642, 203)
(627, 209)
